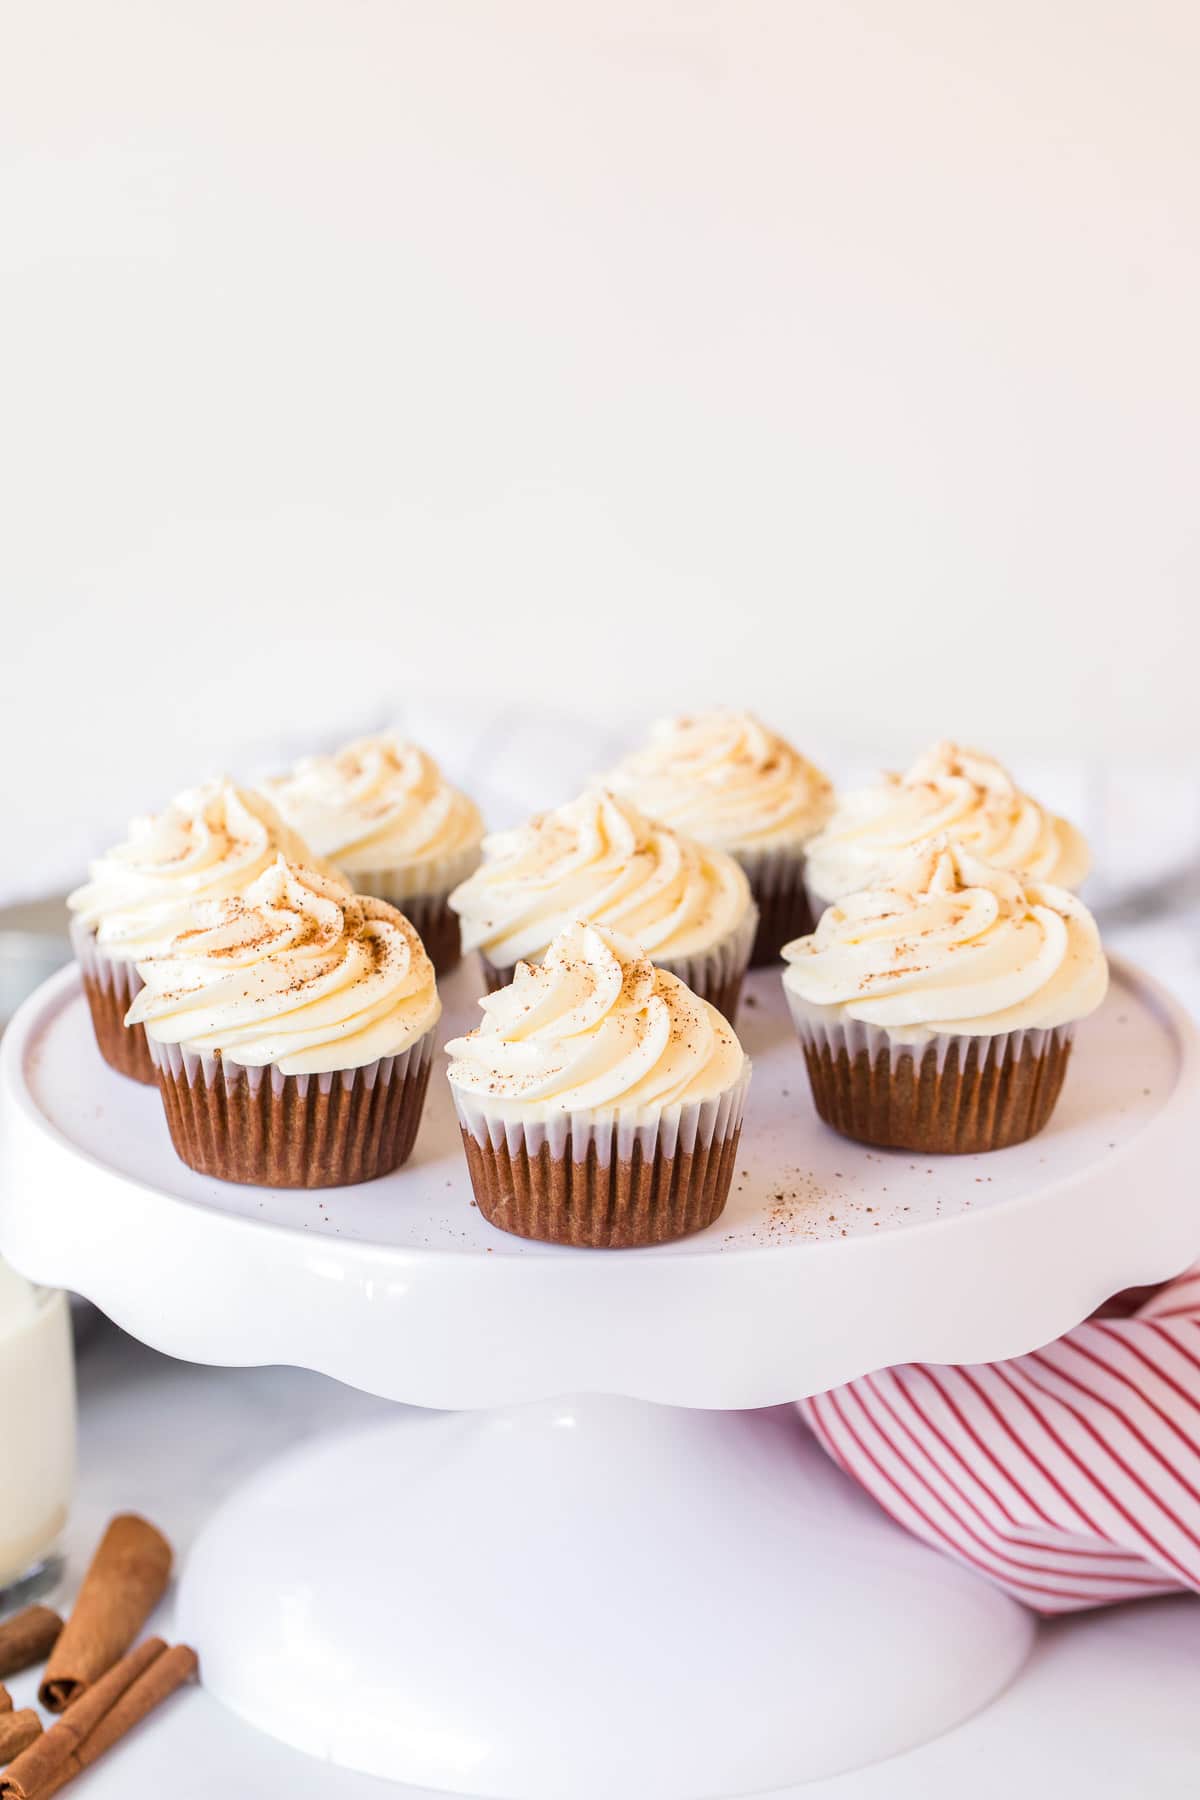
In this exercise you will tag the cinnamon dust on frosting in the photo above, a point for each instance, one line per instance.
(296, 972)
(601, 859)
(948, 943)
(953, 791)
(726, 779)
(595, 1026)
(211, 842)
(381, 804)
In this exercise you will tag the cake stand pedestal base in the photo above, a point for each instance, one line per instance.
(583, 1599)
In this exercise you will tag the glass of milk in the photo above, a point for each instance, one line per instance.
(37, 1432)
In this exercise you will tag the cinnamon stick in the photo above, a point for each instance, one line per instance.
(27, 1638)
(149, 1675)
(17, 1732)
(124, 1583)
(33, 1770)
(167, 1673)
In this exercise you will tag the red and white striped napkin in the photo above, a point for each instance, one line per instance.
(1070, 1477)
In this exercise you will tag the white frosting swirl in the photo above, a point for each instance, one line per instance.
(381, 804)
(951, 944)
(950, 790)
(725, 779)
(598, 858)
(595, 1026)
(295, 972)
(211, 841)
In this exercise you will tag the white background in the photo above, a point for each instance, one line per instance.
(836, 358)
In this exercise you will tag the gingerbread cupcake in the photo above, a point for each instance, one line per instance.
(598, 858)
(382, 810)
(210, 842)
(725, 779)
(949, 791)
(937, 1010)
(291, 1029)
(600, 1100)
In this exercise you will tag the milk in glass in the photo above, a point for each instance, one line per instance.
(37, 1423)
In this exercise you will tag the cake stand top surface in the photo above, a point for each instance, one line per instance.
(829, 1259)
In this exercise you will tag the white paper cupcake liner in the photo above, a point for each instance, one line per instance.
(826, 1027)
(431, 878)
(255, 1124)
(210, 1068)
(111, 984)
(716, 974)
(605, 1135)
(115, 971)
(603, 1181)
(771, 873)
(944, 1092)
(776, 877)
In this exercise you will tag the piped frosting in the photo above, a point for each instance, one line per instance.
(724, 778)
(212, 841)
(600, 859)
(951, 944)
(295, 972)
(948, 791)
(595, 1026)
(381, 803)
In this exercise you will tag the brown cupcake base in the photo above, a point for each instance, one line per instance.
(623, 1204)
(987, 1094)
(293, 1131)
(122, 1046)
(721, 993)
(111, 986)
(494, 977)
(428, 910)
(437, 927)
(781, 917)
(724, 995)
(776, 880)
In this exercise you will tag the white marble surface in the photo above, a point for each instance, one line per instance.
(1105, 1709)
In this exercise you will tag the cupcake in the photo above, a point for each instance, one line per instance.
(937, 1009)
(386, 815)
(291, 1028)
(598, 858)
(600, 1100)
(949, 790)
(210, 842)
(727, 781)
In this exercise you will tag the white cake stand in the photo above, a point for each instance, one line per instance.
(572, 1587)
